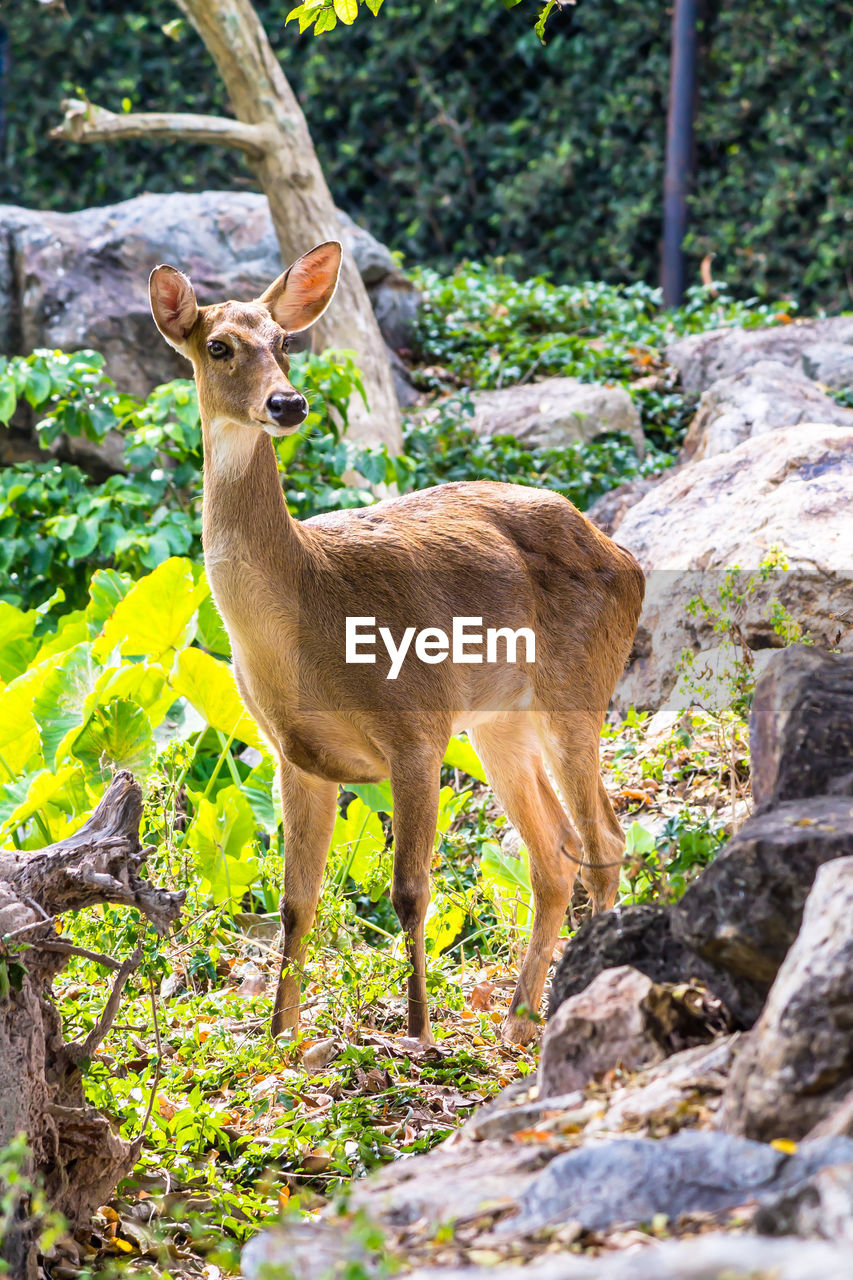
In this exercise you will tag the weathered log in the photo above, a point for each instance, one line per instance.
(73, 1150)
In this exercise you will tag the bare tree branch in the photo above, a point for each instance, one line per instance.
(85, 122)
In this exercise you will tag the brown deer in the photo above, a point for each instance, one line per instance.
(517, 560)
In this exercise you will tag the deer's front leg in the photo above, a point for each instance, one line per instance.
(415, 782)
(308, 814)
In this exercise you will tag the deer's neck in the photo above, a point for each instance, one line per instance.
(245, 522)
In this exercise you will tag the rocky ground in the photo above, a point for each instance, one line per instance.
(694, 1097)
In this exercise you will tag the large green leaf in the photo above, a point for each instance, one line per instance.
(60, 704)
(106, 589)
(141, 682)
(55, 797)
(261, 791)
(221, 837)
(362, 838)
(376, 795)
(17, 643)
(507, 881)
(461, 755)
(210, 686)
(156, 615)
(20, 747)
(445, 920)
(116, 736)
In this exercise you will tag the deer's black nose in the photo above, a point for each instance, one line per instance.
(287, 407)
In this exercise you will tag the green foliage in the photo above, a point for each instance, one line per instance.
(550, 155)
(57, 524)
(18, 1190)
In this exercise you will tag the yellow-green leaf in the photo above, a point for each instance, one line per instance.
(211, 688)
(156, 615)
(347, 10)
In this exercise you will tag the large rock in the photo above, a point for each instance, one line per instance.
(606, 1025)
(556, 412)
(801, 726)
(830, 363)
(702, 358)
(764, 397)
(628, 1181)
(744, 911)
(821, 1207)
(716, 1256)
(81, 279)
(640, 936)
(791, 490)
(797, 1064)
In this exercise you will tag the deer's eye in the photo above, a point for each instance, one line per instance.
(285, 343)
(218, 350)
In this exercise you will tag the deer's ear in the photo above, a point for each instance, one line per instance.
(300, 296)
(173, 304)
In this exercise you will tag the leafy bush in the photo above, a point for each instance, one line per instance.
(552, 156)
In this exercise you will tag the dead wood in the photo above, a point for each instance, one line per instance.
(73, 1149)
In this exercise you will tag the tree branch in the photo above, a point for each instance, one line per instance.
(85, 122)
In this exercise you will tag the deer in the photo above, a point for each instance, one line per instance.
(515, 557)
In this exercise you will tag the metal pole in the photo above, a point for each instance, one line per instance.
(679, 148)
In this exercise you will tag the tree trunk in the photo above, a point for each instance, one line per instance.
(272, 132)
(72, 1149)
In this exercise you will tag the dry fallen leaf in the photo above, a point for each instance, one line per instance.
(481, 997)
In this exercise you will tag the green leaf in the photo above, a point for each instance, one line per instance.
(106, 588)
(8, 400)
(20, 745)
(639, 841)
(326, 22)
(376, 795)
(17, 643)
(461, 755)
(156, 615)
(51, 794)
(261, 790)
(211, 631)
(209, 685)
(360, 834)
(222, 836)
(60, 704)
(347, 11)
(507, 880)
(445, 920)
(375, 5)
(117, 736)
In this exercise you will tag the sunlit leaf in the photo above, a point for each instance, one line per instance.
(156, 615)
(461, 755)
(210, 686)
(117, 736)
(222, 837)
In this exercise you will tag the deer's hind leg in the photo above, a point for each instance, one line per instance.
(511, 754)
(308, 814)
(572, 748)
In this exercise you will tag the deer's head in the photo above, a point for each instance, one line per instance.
(239, 349)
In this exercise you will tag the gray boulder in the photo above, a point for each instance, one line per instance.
(830, 363)
(632, 1180)
(703, 358)
(716, 1256)
(761, 398)
(801, 726)
(81, 279)
(744, 911)
(791, 490)
(605, 1025)
(640, 936)
(821, 1207)
(557, 412)
(797, 1064)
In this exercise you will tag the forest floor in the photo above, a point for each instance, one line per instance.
(240, 1129)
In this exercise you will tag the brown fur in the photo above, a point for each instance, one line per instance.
(515, 556)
